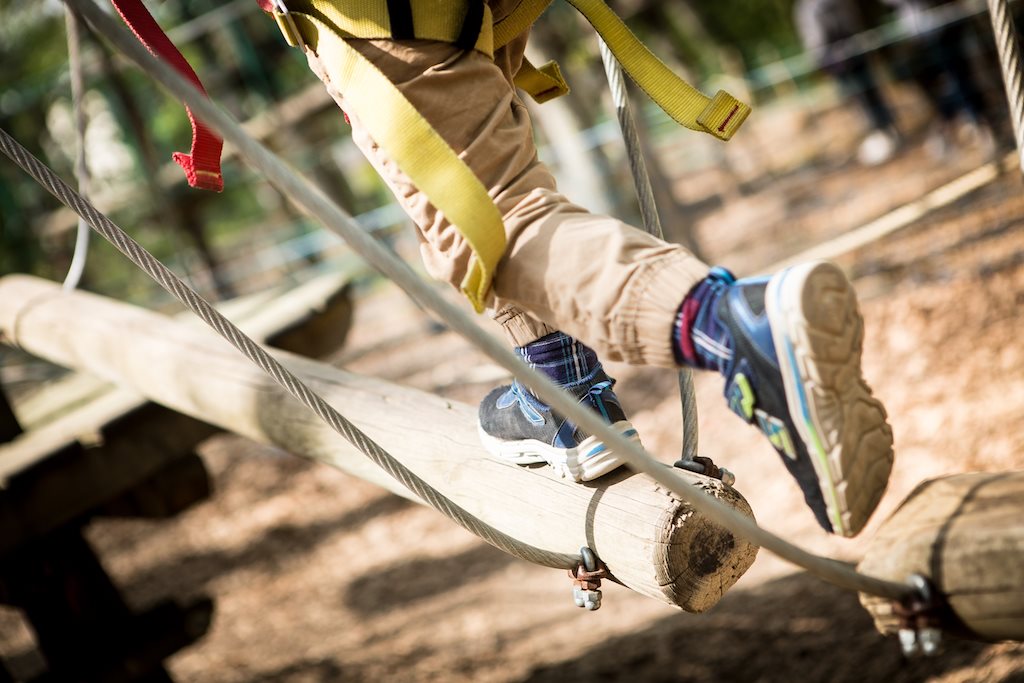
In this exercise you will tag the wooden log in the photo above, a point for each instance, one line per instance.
(651, 541)
(91, 442)
(311, 319)
(964, 533)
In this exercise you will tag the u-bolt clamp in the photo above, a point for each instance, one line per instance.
(706, 466)
(919, 616)
(586, 579)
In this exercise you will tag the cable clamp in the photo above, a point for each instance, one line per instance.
(586, 578)
(919, 617)
(706, 466)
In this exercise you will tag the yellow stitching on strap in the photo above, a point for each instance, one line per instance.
(417, 148)
(544, 83)
(720, 116)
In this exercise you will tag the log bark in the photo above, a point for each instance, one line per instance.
(651, 541)
(964, 533)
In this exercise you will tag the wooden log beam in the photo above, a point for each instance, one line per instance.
(964, 534)
(651, 541)
(311, 319)
(89, 442)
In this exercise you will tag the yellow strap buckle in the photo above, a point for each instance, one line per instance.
(542, 83)
(286, 23)
(723, 115)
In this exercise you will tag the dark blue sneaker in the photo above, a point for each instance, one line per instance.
(794, 372)
(517, 427)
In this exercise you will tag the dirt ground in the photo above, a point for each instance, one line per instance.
(321, 577)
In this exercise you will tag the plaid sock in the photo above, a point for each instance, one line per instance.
(699, 340)
(566, 361)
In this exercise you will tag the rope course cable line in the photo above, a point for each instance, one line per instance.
(81, 253)
(313, 200)
(163, 276)
(652, 224)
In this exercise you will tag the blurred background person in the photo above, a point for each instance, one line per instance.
(936, 57)
(829, 30)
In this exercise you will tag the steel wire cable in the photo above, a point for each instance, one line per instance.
(652, 223)
(74, 37)
(174, 285)
(1009, 61)
(334, 218)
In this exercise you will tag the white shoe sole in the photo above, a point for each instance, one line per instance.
(586, 462)
(818, 333)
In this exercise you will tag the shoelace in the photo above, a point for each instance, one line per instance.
(597, 400)
(528, 403)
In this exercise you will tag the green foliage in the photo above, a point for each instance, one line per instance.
(749, 26)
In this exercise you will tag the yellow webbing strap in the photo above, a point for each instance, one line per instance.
(522, 17)
(422, 154)
(720, 115)
(543, 83)
(439, 20)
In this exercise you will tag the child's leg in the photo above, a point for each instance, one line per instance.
(789, 348)
(590, 276)
(516, 426)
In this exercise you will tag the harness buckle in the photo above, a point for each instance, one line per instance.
(287, 24)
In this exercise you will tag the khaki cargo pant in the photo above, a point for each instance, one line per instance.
(595, 278)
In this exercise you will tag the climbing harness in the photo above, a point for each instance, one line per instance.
(431, 164)
(314, 201)
(423, 155)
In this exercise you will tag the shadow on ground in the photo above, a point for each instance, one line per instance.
(816, 632)
(421, 578)
(278, 546)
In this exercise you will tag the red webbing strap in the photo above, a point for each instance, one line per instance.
(202, 163)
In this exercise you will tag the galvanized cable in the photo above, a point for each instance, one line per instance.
(138, 255)
(651, 220)
(313, 200)
(1009, 60)
(82, 178)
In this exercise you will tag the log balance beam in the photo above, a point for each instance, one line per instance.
(92, 449)
(651, 541)
(87, 442)
(964, 534)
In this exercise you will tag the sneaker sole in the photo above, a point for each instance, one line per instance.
(588, 461)
(818, 334)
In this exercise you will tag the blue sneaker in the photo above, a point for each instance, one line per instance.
(794, 372)
(515, 426)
